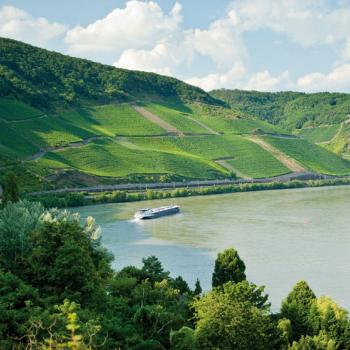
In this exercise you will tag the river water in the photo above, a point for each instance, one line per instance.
(283, 236)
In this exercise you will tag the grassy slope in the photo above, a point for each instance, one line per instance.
(311, 156)
(107, 158)
(340, 144)
(110, 120)
(248, 158)
(319, 134)
(230, 122)
(24, 138)
(12, 110)
(175, 116)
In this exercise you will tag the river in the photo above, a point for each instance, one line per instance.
(283, 236)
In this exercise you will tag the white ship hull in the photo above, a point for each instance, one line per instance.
(146, 214)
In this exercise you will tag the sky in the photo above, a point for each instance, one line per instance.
(265, 45)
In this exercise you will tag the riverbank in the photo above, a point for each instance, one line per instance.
(83, 198)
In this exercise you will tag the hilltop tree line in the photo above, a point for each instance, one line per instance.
(290, 110)
(59, 291)
(45, 79)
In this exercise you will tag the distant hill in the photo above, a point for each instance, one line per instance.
(67, 122)
(291, 110)
(44, 79)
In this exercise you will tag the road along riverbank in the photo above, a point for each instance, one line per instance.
(138, 192)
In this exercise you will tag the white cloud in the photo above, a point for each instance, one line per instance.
(140, 25)
(238, 78)
(222, 41)
(230, 79)
(160, 59)
(306, 22)
(336, 80)
(264, 81)
(220, 44)
(20, 25)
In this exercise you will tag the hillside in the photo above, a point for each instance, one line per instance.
(71, 122)
(45, 79)
(291, 110)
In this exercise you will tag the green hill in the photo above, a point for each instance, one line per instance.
(291, 110)
(45, 79)
(66, 121)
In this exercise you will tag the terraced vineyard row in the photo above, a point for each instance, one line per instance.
(176, 118)
(244, 155)
(311, 156)
(214, 149)
(320, 133)
(13, 110)
(107, 158)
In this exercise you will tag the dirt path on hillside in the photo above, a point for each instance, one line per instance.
(206, 127)
(123, 141)
(289, 162)
(77, 144)
(228, 166)
(334, 137)
(156, 120)
(41, 116)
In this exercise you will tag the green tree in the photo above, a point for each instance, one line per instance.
(61, 330)
(17, 222)
(152, 268)
(16, 296)
(296, 307)
(65, 263)
(228, 267)
(183, 339)
(317, 342)
(197, 288)
(226, 318)
(11, 192)
(180, 284)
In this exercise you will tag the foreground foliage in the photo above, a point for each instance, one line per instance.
(58, 291)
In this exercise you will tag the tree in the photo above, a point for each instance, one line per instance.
(62, 330)
(317, 342)
(180, 284)
(183, 339)
(153, 269)
(296, 307)
(65, 263)
(228, 267)
(17, 222)
(197, 288)
(229, 318)
(16, 296)
(11, 193)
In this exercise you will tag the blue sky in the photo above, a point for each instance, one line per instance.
(267, 45)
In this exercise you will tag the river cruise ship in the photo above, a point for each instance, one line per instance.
(145, 214)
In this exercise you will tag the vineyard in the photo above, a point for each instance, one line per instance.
(320, 133)
(13, 110)
(177, 118)
(107, 158)
(313, 157)
(109, 120)
(131, 146)
(245, 156)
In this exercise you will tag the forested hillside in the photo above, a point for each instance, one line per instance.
(292, 110)
(45, 79)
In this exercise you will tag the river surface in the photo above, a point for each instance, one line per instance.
(283, 236)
